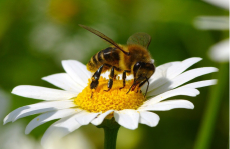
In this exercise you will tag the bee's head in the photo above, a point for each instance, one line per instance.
(142, 72)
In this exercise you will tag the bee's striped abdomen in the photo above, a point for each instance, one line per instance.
(108, 56)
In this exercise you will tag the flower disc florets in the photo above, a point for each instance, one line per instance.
(100, 100)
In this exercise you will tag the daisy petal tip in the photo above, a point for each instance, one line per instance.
(16, 89)
(6, 120)
(190, 105)
(27, 131)
(214, 69)
(215, 81)
(149, 118)
(127, 118)
(197, 92)
(44, 78)
(133, 127)
(194, 92)
(65, 62)
(197, 59)
(187, 104)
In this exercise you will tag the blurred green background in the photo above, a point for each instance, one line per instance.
(36, 35)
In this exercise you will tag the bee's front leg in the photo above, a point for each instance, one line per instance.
(124, 77)
(96, 77)
(111, 77)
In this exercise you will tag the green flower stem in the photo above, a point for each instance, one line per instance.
(110, 138)
(111, 128)
(205, 134)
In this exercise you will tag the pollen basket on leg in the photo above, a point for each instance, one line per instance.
(116, 99)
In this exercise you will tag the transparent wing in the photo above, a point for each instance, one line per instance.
(103, 37)
(143, 39)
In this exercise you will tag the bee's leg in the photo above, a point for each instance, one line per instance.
(124, 77)
(96, 77)
(111, 77)
(142, 83)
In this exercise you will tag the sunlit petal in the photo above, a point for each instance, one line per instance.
(77, 71)
(149, 118)
(64, 81)
(201, 84)
(48, 116)
(168, 105)
(183, 78)
(127, 118)
(37, 108)
(175, 92)
(43, 93)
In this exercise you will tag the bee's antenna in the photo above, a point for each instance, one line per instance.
(147, 86)
(130, 88)
(104, 37)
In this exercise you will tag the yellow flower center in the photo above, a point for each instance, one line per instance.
(116, 99)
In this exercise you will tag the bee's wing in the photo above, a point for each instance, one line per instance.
(103, 37)
(142, 39)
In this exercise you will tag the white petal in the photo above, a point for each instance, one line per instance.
(158, 78)
(37, 108)
(149, 118)
(201, 83)
(43, 93)
(170, 104)
(64, 81)
(63, 127)
(175, 70)
(77, 71)
(175, 92)
(84, 117)
(169, 71)
(127, 118)
(182, 78)
(43, 118)
(100, 118)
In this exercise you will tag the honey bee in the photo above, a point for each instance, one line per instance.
(132, 58)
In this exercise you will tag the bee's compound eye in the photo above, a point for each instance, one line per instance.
(137, 66)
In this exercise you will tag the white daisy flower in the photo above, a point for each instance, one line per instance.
(75, 106)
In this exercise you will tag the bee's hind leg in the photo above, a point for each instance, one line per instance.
(124, 77)
(111, 77)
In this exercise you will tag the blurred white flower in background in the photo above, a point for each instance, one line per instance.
(12, 137)
(75, 140)
(4, 103)
(220, 3)
(220, 51)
